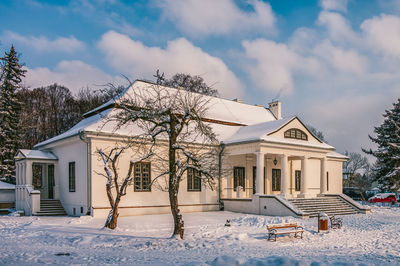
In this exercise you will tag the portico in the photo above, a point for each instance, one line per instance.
(286, 159)
(35, 179)
(287, 175)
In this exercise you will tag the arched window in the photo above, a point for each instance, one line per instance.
(295, 133)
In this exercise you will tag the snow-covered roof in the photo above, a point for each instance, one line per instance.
(231, 121)
(231, 112)
(218, 108)
(261, 131)
(334, 154)
(35, 154)
(257, 131)
(4, 185)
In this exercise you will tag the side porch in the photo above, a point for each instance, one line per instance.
(37, 183)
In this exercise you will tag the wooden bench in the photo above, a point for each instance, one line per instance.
(336, 222)
(284, 229)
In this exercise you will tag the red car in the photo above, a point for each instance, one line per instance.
(383, 197)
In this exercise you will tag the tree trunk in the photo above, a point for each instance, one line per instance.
(112, 218)
(178, 221)
(173, 184)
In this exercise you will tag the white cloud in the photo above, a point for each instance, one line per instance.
(338, 79)
(136, 60)
(346, 61)
(338, 28)
(272, 65)
(205, 17)
(383, 34)
(348, 119)
(72, 74)
(42, 44)
(335, 5)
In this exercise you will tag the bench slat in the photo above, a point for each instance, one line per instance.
(279, 226)
(287, 232)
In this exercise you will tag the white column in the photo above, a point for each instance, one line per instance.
(56, 192)
(323, 177)
(260, 173)
(23, 178)
(20, 173)
(28, 173)
(16, 173)
(284, 176)
(304, 178)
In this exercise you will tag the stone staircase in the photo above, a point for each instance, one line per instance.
(50, 207)
(333, 205)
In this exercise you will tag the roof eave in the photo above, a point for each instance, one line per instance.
(40, 145)
(330, 148)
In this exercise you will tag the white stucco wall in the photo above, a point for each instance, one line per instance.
(72, 150)
(139, 203)
(157, 201)
(335, 172)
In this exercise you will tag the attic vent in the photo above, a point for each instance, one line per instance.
(238, 100)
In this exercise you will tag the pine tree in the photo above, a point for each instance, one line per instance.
(387, 166)
(12, 74)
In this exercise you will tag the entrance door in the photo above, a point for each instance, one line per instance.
(276, 179)
(50, 179)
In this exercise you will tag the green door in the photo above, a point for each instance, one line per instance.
(50, 179)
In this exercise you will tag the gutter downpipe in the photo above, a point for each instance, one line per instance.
(222, 147)
(88, 142)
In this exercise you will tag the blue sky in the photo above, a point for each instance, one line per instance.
(334, 63)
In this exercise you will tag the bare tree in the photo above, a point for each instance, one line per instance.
(49, 111)
(186, 82)
(356, 164)
(174, 119)
(114, 181)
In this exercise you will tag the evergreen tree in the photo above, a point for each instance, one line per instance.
(387, 166)
(12, 74)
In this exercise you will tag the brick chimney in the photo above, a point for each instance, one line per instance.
(275, 108)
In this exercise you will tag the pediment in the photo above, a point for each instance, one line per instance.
(295, 130)
(19, 156)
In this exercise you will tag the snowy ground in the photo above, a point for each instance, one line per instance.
(364, 239)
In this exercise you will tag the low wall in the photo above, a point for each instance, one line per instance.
(241, 205)
(269, 205)
(7, 195)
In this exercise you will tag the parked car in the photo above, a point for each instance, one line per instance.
(383, 197)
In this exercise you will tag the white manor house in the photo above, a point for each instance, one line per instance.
(278, 167)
